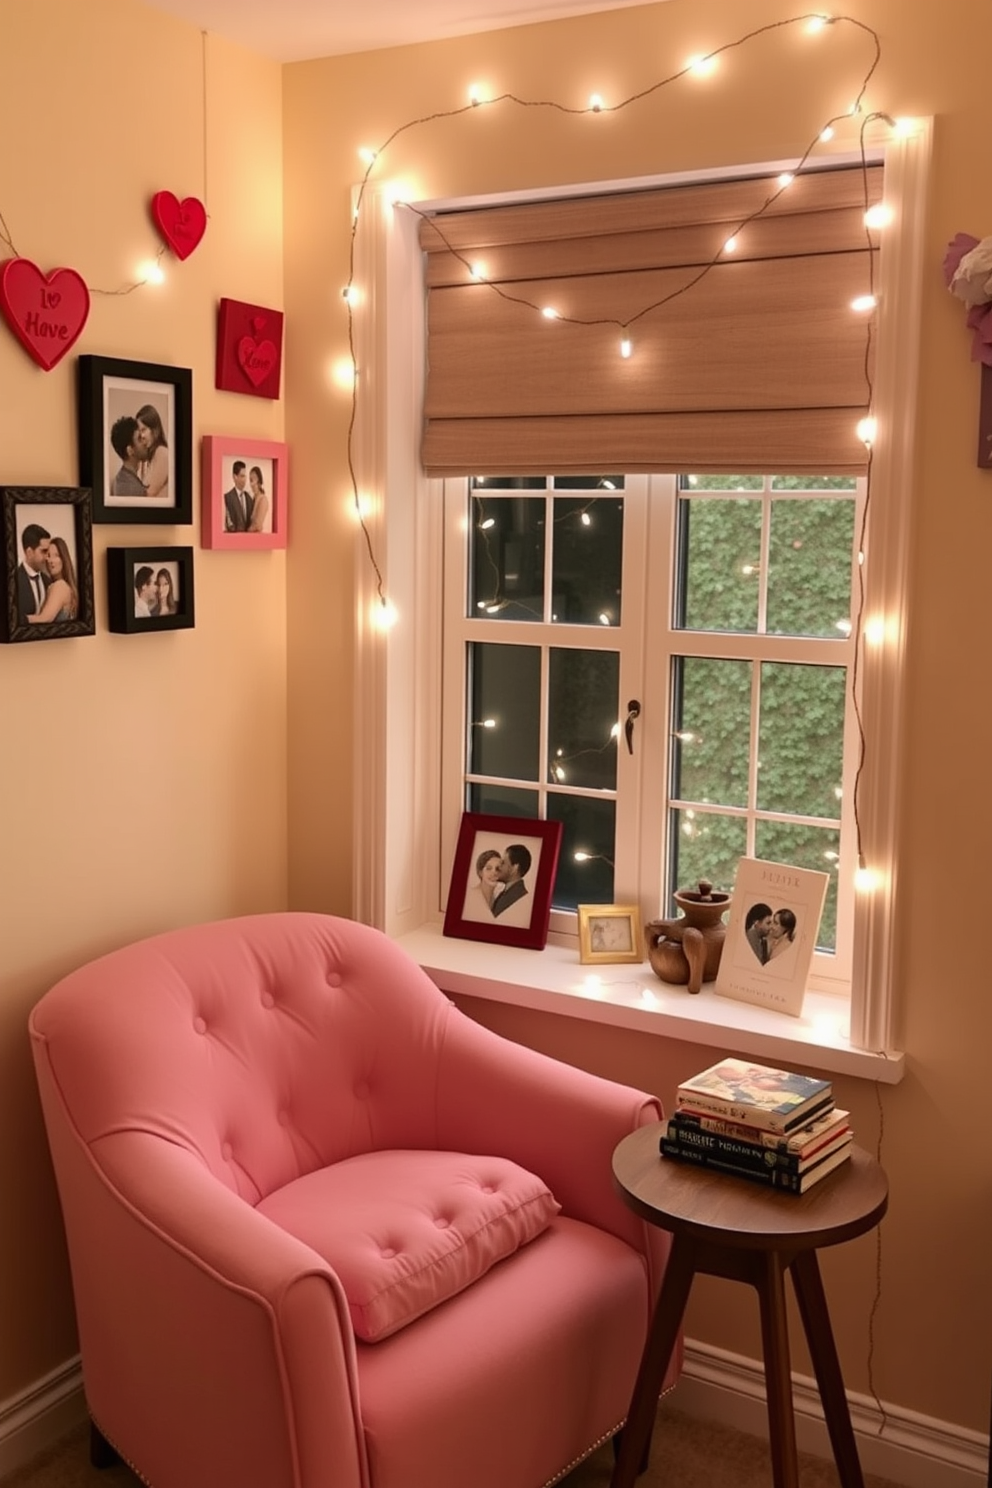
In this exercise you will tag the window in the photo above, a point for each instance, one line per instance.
(402, 843)
(663, 665)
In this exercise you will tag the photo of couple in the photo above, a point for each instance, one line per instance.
(770, 933)
(247, 507)
(500, 892)
(47, 588)
(156, 591)
(139, 433)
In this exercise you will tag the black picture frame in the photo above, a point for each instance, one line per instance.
(64, 515)
(125, 567)
(110, 389)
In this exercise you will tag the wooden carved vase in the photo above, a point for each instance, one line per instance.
(688, 949)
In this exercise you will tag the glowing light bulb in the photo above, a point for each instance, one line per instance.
(580, 856)
(867, 430)
(367, 156)
(384, 614)
(151, 273)
(351, 294)
(344, 373)
(874, 630)
(786, 179)
(903, 128)
(489, 522)
(586, 519)
(702, 66)
(878, 216)
(475, 95)
(866, 880)
(477, 270)
(816, 23)
(827, 133)
(604, 618)
(864, 302)
(625, 346)
(730, 246)
(844, 626)
(595, 103)
(489, 723)
(550, 313)
(559, 773)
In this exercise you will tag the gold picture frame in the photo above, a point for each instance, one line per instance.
(610, 933)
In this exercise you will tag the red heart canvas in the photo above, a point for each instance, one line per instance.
(46, 312)
(249, 349)
(181, 223)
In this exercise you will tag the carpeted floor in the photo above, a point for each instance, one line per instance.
(686, 1452)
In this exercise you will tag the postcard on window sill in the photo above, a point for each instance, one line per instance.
(771, 934)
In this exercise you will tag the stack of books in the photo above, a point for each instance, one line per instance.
(768, 1125)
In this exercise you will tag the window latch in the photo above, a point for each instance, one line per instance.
(633, 711)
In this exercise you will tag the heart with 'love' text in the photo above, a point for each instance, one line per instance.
(181, 223)
(256, 359)
(46, 312)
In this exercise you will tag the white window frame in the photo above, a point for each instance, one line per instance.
(401, 863)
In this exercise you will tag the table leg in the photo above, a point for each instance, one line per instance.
(826, 1366)
(635, 1439)
(778, 1373)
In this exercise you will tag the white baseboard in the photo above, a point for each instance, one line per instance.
(36, 1417)
(910, 1449)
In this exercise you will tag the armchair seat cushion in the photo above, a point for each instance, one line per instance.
(406, 1230)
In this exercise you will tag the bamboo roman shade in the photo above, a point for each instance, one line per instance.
(760, 365)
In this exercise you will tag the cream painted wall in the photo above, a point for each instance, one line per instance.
(142, 778)
(933, 1328)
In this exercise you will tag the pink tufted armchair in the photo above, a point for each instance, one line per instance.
(327, 1232)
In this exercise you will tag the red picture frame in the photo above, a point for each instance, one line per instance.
(508, 903)
(265, 459)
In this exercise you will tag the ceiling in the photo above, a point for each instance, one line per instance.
(293, 30)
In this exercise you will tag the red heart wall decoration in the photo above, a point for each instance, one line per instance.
(181, 223)
(256, 359)
(46, 312)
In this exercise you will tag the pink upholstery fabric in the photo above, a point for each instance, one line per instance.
(190, 1078)
(407, 1230)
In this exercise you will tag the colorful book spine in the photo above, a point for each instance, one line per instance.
(771, 1177)
(805, 1138)
(746, 1115)
(691, 1140)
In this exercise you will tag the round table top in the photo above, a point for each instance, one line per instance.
(734, 1211)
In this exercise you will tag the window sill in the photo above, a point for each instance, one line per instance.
(631, 996)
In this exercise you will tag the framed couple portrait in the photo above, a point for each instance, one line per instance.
(502, 880)
(610, 933)
(48, 563)
(136, 440)
(244, 491)
(772, 930)
(149, 589)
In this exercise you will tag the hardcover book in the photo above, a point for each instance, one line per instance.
(771, 934)
(752, 1155)
(801, 1141)
(756, 1095)
(770, 1177)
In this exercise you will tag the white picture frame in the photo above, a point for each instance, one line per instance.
(771, 934)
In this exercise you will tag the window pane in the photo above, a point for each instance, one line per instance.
(582, 716)
(806, 847)
(719, 556)
(814, 482)
(809, 571)
(588, 482)
(704, 844)
(483, 483)
(589, 827)
(504, 710)
(501, 800)
(587, 560)
(721, 482)
(506, 565)
(801, 739)
(711, 730)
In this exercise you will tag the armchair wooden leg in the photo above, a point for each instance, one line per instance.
(645, 1461)
(102, 1454)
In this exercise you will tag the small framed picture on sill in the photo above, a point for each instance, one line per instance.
(48, 563)
(149, 589)
(244, 491)
(610, 932)
(502, 880)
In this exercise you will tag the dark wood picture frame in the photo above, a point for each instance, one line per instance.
(470, 914)
(64, 515)
(125, 566)
(110, 390)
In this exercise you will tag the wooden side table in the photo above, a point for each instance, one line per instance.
(730, 1227)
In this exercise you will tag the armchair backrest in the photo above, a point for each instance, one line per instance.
(268, 1046)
